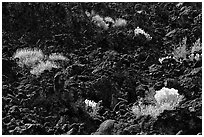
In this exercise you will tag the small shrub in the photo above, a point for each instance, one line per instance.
(140, 110)
(196, 51)
(28, 57)
(91, 106)
(120, 23)
(169, 96)
(104, 22)
(166, 99)
(196, 46)
(41, 67)
(90, 103)
(138, 31)
(180, 52)
(98, 20)
(36, 61)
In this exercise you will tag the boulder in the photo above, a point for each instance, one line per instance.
(105, 128)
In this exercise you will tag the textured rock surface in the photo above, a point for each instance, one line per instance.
(105, 128)
(115, 68)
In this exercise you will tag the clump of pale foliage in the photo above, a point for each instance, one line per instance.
(104, 22)
(166, 99)
(41, 67)
(120, 22)
(138, 31)
(90, 103)
(28, 57)
(36, 61)
(98, 20)
(180, 52)
(91, 106)
(56, 56)
(197, 46)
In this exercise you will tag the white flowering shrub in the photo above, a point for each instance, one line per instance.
(166, 99)
(120, 23)
(169, 96)
(41, 67)
(98, 20)
(28, 57)
(104, 22)
(36, 61)
(90, 104)
(138, 31)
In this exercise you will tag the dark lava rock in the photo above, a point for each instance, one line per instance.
(198, 64)
(155, 68)
(14, 111)
(172, 121)
(194, 106)
(171, 83)
(132, 130)
(75, 69)
(141, 90)
(105, 128)
(29, 129)
(65, 127)
(21, 95)
(7, 68)
(191, 84)
(73, 129)
(104, 90)
(195, 72)
(159, 85)
(7, 119)
(35, 129)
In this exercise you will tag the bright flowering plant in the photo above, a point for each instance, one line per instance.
(41, 67)
(138, 31)
(169, 96)
(98, 20)
(120, 22)
(28, 57)
(103, 22)
(36, 61)
(90, 103)
(91, 106)
(166, 99)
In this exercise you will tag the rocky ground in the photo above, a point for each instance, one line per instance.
(112, 67)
